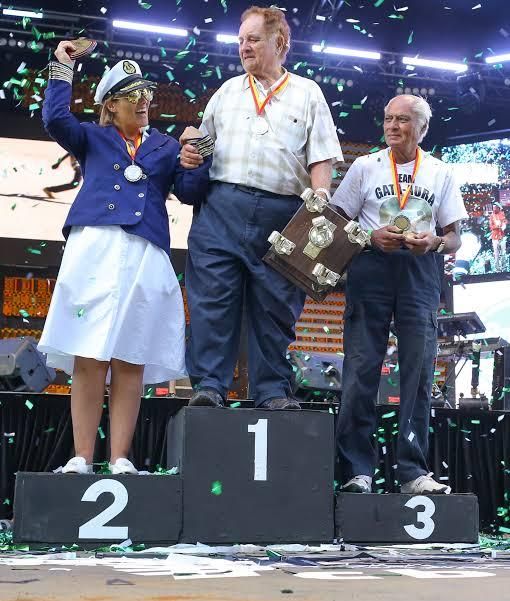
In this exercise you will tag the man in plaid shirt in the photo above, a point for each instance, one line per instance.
(274, 136)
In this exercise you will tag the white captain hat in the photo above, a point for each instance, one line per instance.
(122, 78)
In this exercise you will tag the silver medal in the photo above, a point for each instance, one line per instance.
(260, 126)
(133, 173)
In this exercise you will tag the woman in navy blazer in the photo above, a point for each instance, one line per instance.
(117, 310)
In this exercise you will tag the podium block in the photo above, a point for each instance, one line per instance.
(254, 476)
(399, 518)
(84, 509)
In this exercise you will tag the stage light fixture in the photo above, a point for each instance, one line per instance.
(146, 57)
(12, 42)
(346, 52)
(129, 54)
(137, 56)
(470, 92)
(432, 91)
(21, 43)
(434, 64)
(155, 58)
(231, 67)
(239, 69)
(318, 78)
(119, 53)
(416, 91)
(146, 27)
(3, 41)
(227, 38)
(497, 58)
(333, 81)
(399, 91)
(423, 91)
(13, 12)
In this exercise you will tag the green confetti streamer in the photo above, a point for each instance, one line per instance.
(80, 312)
(224, 4)
(216, 488)
(170, 128)
(24, 313)
(235, 405)
(190, 94)
(374, 149)
(34, 251)
(167, 115)
(29, 404)
(410, 38)
(170, 75)
(390, 414)
(396, 16)
(144, 5)
(181, 54)
(378, 3)
(101, 433)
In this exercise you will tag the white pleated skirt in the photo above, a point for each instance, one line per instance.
(116, 297)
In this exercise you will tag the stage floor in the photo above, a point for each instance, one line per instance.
(365, 575)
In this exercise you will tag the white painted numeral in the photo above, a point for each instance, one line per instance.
(95, 528)
(422, 517)
(260, 457)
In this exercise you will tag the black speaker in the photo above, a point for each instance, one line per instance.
(501, 379)
(317, 376)
(23, 367)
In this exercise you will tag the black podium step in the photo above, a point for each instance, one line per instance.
(254, 476)
(82, 509)
(398, 518)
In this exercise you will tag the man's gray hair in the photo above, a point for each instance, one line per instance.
(421, 108)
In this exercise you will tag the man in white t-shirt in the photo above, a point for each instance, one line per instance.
(399, 194)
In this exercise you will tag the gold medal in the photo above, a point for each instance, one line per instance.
(402, 222)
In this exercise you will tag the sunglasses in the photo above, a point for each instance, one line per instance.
(135, 95)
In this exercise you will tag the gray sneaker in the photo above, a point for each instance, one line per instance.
(425, 485)
(358, 484)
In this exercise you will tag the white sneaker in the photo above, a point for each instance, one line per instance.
(425, 485)
(77, 465)
(123, 466)
(358, 484)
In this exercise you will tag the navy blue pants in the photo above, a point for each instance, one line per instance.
(227, 241)
(381, 286)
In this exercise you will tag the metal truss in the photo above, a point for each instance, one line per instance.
(160, 52)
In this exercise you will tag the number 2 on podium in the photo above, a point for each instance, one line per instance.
(260, 455)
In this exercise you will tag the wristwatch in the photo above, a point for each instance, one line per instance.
(440, 246)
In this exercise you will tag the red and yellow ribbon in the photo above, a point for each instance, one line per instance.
(402, 199)
(260, 103)
(130, 149)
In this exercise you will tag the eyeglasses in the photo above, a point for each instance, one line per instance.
(135, 95)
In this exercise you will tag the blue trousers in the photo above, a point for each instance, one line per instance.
(381, 286)
(225, 272)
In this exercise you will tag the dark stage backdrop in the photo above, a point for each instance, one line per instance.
(470, 447)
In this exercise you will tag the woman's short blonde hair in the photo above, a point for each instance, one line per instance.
(275, 22)
(106, 116)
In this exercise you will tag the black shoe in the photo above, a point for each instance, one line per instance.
(279, 404)
(206, 397)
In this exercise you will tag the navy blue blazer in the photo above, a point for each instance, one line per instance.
(107, 197)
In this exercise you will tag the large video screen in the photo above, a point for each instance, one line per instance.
(483, 171)
(38, 184)
(491, 301)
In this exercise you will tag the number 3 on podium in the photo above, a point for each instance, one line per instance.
(260, 454)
